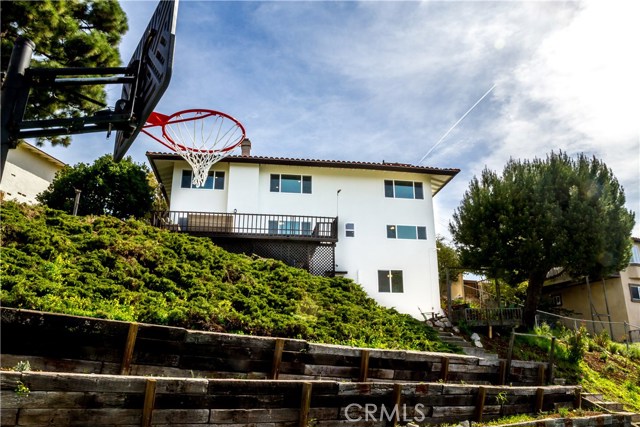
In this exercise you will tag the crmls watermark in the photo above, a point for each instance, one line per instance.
(356, 412)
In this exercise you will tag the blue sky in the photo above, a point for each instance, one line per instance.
(385, 80)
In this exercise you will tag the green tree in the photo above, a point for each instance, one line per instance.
(76, 33)
(560, 213)
(107, 188)
(447, 259)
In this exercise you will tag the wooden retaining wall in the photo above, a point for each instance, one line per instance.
(61, 343)
(45, 398)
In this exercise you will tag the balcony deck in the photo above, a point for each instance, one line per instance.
(249, 226)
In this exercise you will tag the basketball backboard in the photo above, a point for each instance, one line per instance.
(152, 63)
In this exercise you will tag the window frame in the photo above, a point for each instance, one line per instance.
(635, 286)
(391, 189)
(635, 254)
(276, 183)
(419, 231)
(213, 177)
(387, 284)
(349, 229)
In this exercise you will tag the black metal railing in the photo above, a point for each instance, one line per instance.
(245, 225)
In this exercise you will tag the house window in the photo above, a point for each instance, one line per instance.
(412, 232)
(556, 300)
(290, 228)
(403, 189)
(290, 184)
(215, 180)
(635, 292)
(390, 281)
(635, 254)
(350, 229)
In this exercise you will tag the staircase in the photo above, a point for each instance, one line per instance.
(451, 335)
(596, 401)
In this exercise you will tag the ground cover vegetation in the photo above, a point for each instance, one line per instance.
(559, 213)
(593, 361)
(105, 267)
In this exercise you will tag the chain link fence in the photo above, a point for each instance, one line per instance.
(618, 331)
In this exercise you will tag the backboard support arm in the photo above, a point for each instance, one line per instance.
(20, 80)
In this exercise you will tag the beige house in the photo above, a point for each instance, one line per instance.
(612, 304)
(28, 171)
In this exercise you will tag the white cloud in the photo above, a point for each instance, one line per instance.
(385, 80)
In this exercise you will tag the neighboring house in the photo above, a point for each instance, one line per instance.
(370, 222)
(28, 171)
(615, 299)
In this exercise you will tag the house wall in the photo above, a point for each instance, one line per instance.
(631, 276)
(617, 303)
(26, 174)
(361, 201)
(576, 299)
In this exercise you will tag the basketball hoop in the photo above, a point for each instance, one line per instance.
(202, 137)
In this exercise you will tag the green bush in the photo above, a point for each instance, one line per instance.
(105, 267)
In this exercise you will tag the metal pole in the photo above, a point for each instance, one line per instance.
(606, 303)
(593, 320)
(449, 311)
(13, 92)
(76, 203)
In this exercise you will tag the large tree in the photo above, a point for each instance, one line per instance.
(119, 189)
(557, 213)
(72, 33)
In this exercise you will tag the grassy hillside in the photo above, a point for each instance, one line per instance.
(127, 270)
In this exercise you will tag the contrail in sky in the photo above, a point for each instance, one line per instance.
(456, 124)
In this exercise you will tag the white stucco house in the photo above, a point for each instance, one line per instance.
(28, 171)
(371, 222)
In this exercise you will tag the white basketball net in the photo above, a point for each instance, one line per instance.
(201, 137)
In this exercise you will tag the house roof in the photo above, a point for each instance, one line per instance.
(38, 152)
(439, 176)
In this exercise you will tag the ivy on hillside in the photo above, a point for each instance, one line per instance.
(105, 267)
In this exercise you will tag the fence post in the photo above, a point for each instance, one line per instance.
(502, 374)
(509, 356)
(552, 355)
(627, 333)
(364, 366)
(539, 400)
(444, 369)
(397, 398)
(149, 402)
(477, 413)
(305, 404)
(125, 367)
(277, 358)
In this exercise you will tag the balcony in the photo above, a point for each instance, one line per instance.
(249, 226)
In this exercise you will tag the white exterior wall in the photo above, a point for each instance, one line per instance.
(361, 201)
(198, 199)
(26, 174)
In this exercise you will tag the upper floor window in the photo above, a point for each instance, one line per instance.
(635, 254)
(635, 292)
(403, 189)
(406, 232)
(290, 184)
(215, 180)
(349, 229)
(390, 281)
